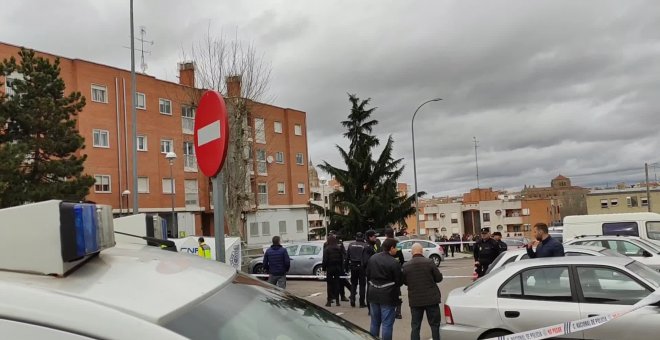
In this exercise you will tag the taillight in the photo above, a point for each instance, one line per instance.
(448, 317)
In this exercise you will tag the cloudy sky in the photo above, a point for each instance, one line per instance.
(547, 87)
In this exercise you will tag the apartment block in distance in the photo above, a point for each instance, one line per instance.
(623, 200)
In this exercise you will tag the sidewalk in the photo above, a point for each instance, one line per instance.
(457, 256)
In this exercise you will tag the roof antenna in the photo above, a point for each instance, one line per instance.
(142, 40)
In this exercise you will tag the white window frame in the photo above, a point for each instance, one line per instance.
(280, 225)
(297, 129)
(102, 177)
(302, 158)
(254, 225)
(187, 119)
(264, 225)
(191, 192)
(604, 204)
(171, 144)
(643, 202)
(300, 226)
(145, 186)
(277, 127)
(260, 130)
(279, 157)
(301, 186)
(100, 88)
(101, 132)
(262, 163)
(281, 188)
(145, 145)
(261, 195)
(167, 188)
(614, 202)
(161, 102)
(137, 101)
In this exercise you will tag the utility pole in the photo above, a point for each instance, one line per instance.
(476, 159)
(648, 188)
(134, 116)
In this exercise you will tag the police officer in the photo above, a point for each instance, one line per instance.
(356, 261)
(344, 282)
(498, 237)
(204, 250)
(485, 251)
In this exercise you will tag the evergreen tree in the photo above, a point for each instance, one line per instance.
(369, 198)
(39, 143)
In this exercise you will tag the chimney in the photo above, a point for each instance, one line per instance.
(233, 86)
(187, 73)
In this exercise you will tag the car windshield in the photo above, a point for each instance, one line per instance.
(650, 275)
(250, 309)
(609, 252)
(494, 264)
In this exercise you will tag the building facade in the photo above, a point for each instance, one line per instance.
(624, 200)
(567, 198)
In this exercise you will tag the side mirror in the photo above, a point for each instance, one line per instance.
(645, 253)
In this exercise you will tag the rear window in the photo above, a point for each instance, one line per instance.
(647, 273)
(621, 228)
(653, 230)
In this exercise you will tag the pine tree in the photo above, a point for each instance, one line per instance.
(369, 198)
(39, 142)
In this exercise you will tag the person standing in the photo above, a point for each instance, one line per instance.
(485, 251)
(343, 283)
(546, 245)
(454, 247)
(445, 247)
(333, 263)
(422, 276)
(356, 261)
(277, 263)
(497, 236)
(384, 278)
(204, 250)
(389, 234)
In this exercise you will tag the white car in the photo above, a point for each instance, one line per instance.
(526, 295)
(431, 250)
(639, 249)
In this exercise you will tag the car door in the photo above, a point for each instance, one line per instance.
(309, 256)
(604, 290)
(293, 252)
(631, 250)
(538, 297)
(406, 249)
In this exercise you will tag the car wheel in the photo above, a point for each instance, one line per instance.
(494, 334)
(318, 270)
(259, 269)
(436, 259)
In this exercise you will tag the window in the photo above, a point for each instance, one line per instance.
(545, 283)
(254, 229)
(262, 168)
(525, 212)
(405, 245)
(631, 201)
(187, 111)
(454, 217)
(299, 226)
(166, 145)
(610, 286)
(279, 157)
(278, 127)
(299, 159)
(168, 185)
(297, 129)
(143, 185)
(624, 247)
(644, 202)
(282, 225)
(307, 250)
(101, 138)
(265, 228)
(262, 192)
(141, 102)
(259, 131)
(9, 86)
(99, 94)
(281, 190)
(621, 228)
(653, 230)
(604, 204)
(613, 202)
(486, 215)
(301, 188)
(187, 119)
(192, 192)
(292, 250)
(165, 106)
(102, 184)
(189, 158)
(142, 143)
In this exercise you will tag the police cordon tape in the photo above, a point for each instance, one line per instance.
(578, 325)
(322, 277)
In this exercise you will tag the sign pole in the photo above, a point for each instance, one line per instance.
(219, 218)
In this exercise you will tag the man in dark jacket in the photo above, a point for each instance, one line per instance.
(497, 236)
(333, 265)
(421, 276)
(546, 246)
(356, 262)
(486, 251)
(343, 283)
(277, 263)
(389, 234)
(385, 279)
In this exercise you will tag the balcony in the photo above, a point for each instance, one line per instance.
(190, 163)
(188, 125)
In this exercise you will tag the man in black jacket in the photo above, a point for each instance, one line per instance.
(385, 279)
(486, 251)
(422, 276)
(343, 283)
(546, 246)
(389, 234)
(356, 262)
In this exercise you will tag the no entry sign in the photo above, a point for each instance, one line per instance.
(211, 133)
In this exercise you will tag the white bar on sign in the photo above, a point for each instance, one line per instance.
(208, 133)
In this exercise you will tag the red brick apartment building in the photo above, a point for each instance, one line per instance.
(165, 120)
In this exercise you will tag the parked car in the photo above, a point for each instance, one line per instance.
(306, 259)
(527, 295)
(638, 248)
(643, 224)
(576, 250)
(431, 250)
(515, 242)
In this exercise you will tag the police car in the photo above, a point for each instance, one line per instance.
(63, 277)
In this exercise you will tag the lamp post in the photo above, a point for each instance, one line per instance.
(125, 195)
(171, 156)
(412, 124)
(323, 181)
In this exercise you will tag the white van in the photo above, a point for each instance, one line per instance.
(645, 225)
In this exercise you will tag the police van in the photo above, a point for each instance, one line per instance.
(644, 225)
(62, 276)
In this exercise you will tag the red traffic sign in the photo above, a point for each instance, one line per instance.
(211, 133)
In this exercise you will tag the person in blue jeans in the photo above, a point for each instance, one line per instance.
(384, 280)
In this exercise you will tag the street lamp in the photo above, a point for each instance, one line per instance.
(415, 160)
(171, 156)
(125, 195)
(323, 181)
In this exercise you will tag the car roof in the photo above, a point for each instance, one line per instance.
(569, 260)
(566, 248)
(583, 237)
(124, 278)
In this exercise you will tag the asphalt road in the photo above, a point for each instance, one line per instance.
(315, 291)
